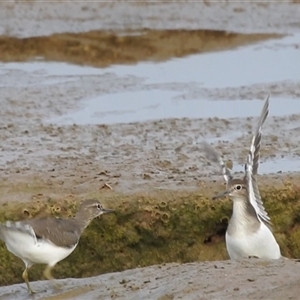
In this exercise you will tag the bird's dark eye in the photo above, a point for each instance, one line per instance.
(99, 206)
(238, 187)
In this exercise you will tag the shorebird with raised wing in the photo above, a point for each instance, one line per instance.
(249, 230)
(48, 240)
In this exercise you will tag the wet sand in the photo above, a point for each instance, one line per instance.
(57, 160)
(24, 19)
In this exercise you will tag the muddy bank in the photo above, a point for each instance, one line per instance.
(145, 157)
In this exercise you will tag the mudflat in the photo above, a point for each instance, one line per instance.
(43, 158)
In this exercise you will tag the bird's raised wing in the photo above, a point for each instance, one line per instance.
(254, 195)
(256, 139)
(251, 167)
(213, 156)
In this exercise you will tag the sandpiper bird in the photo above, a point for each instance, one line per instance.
(48, 240)
(248, 233)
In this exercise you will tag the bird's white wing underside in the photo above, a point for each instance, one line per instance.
(11, 230)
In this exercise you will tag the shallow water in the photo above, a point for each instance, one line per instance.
(274, 165)
(194, 87)
(281, 165)
(145, 105)
(168, 87)
(268, 61)
(178, 88)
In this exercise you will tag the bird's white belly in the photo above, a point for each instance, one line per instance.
(42, 252)
(261, 244)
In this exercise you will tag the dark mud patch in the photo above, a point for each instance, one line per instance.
(103, 48)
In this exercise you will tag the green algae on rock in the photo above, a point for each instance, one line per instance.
(150, 229)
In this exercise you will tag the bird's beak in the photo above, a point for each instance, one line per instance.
(107, 211)
(222, 195)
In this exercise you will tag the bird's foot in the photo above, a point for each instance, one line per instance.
(56, 285)
(31, 291)
(48, 275)
(25, 277)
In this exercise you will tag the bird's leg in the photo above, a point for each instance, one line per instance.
(48, 275)
(25, 277)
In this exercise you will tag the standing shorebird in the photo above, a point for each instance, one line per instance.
(248, 233)
(48, 240)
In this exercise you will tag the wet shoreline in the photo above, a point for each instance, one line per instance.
(175, 111)
(71, 132)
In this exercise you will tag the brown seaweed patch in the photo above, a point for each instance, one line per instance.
(103, 48)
